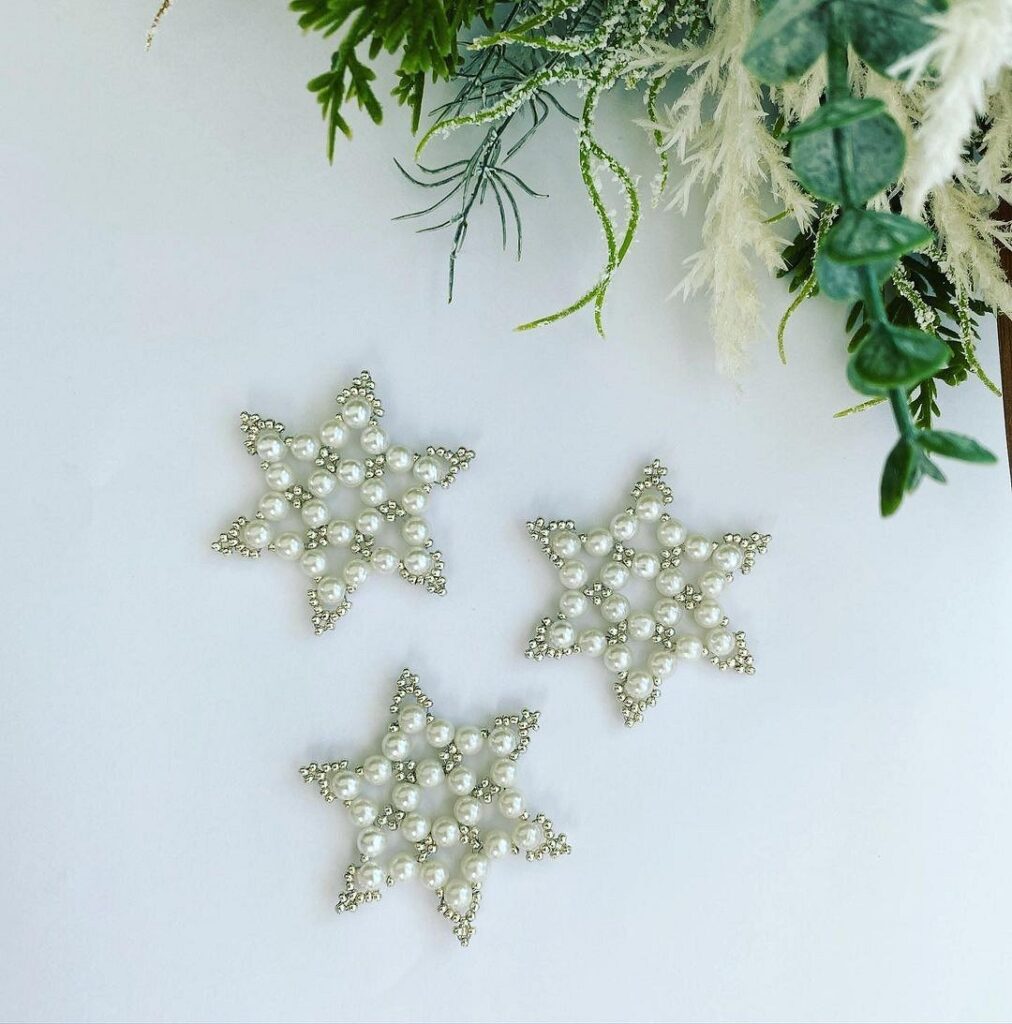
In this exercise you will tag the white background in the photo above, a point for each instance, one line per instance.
(827, 840)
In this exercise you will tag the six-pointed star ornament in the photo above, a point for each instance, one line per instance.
(437, 805)
(643, 580)
(344, 501)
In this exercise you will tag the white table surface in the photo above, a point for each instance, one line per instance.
(827, 840)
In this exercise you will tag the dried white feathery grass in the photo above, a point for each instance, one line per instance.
(993, 167)
(971, 48)
(732, 157)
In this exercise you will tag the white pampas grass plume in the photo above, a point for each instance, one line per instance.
(971, 48)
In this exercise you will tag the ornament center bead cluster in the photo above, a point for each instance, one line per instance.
(344, 502)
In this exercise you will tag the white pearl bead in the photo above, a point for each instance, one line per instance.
(467, 811)
(411, 719)
(428, 773)
(649, 507)
(573, 603)
(670, 582)
(340, 532)
(414, 500)
(474, 867)
(426, 469)
(399, 459)
(615, 607)
(334, 433)
(720, 642)
(415, 530)
(374, 492)
(371, 842)
(497, 844)
(565, 543)
(461, 780)
(396, 745)
(368, 876)
(351, 472)
(690, 647)
(598, 543)
(314, 563)
(377, 770)
(708, 614)
(615, 575)
(256, 534)
(592, 642)
(468, 739)
(561, 635)
(712, 583)
(434, 875)
(418, 562)
(373, 439)
(289, 546)
(727, 557)
(384, 559)
(503, 772)
(667, 611)
(511, 803)
(624, 526)
(321, 482)
(369, 522)
(662, 663)
(355, 572)
(670, 533)
(528, 835)
(330, 592)
(641, 626)
(698, 548)
(356, 412)
(445, 832)
(279, 476)
(269, 446)
(403, 867)
(304, 447)
(414, 827)
(406, 796)
(573, 574)
(273, 506)
(638, 685)
(315, 513)
(617, 658)
(363, 811)
(345, 785)
(502, 740)
(646, 565)
(438, 732)
(457, 896)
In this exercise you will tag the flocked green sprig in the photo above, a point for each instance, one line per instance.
(846, 153)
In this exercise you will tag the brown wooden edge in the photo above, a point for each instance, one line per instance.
(1005, 341)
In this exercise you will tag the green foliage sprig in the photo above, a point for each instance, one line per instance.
(424, 32)
(846, 153)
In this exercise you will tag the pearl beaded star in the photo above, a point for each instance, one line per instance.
(673, 598)
(429, 792)
(350, 460)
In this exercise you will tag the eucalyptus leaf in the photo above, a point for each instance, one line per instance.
(872, 147)
(837, 114)
(843, 281)
(897, 475)
(882, 32)
(954, 446)
(866, 236)
(788, 39)
(895, 357)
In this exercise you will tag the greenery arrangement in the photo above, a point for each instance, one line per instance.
(882, 131)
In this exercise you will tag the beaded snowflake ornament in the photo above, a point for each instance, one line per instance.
(343, 502)
(643, 579)
(437, 803)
